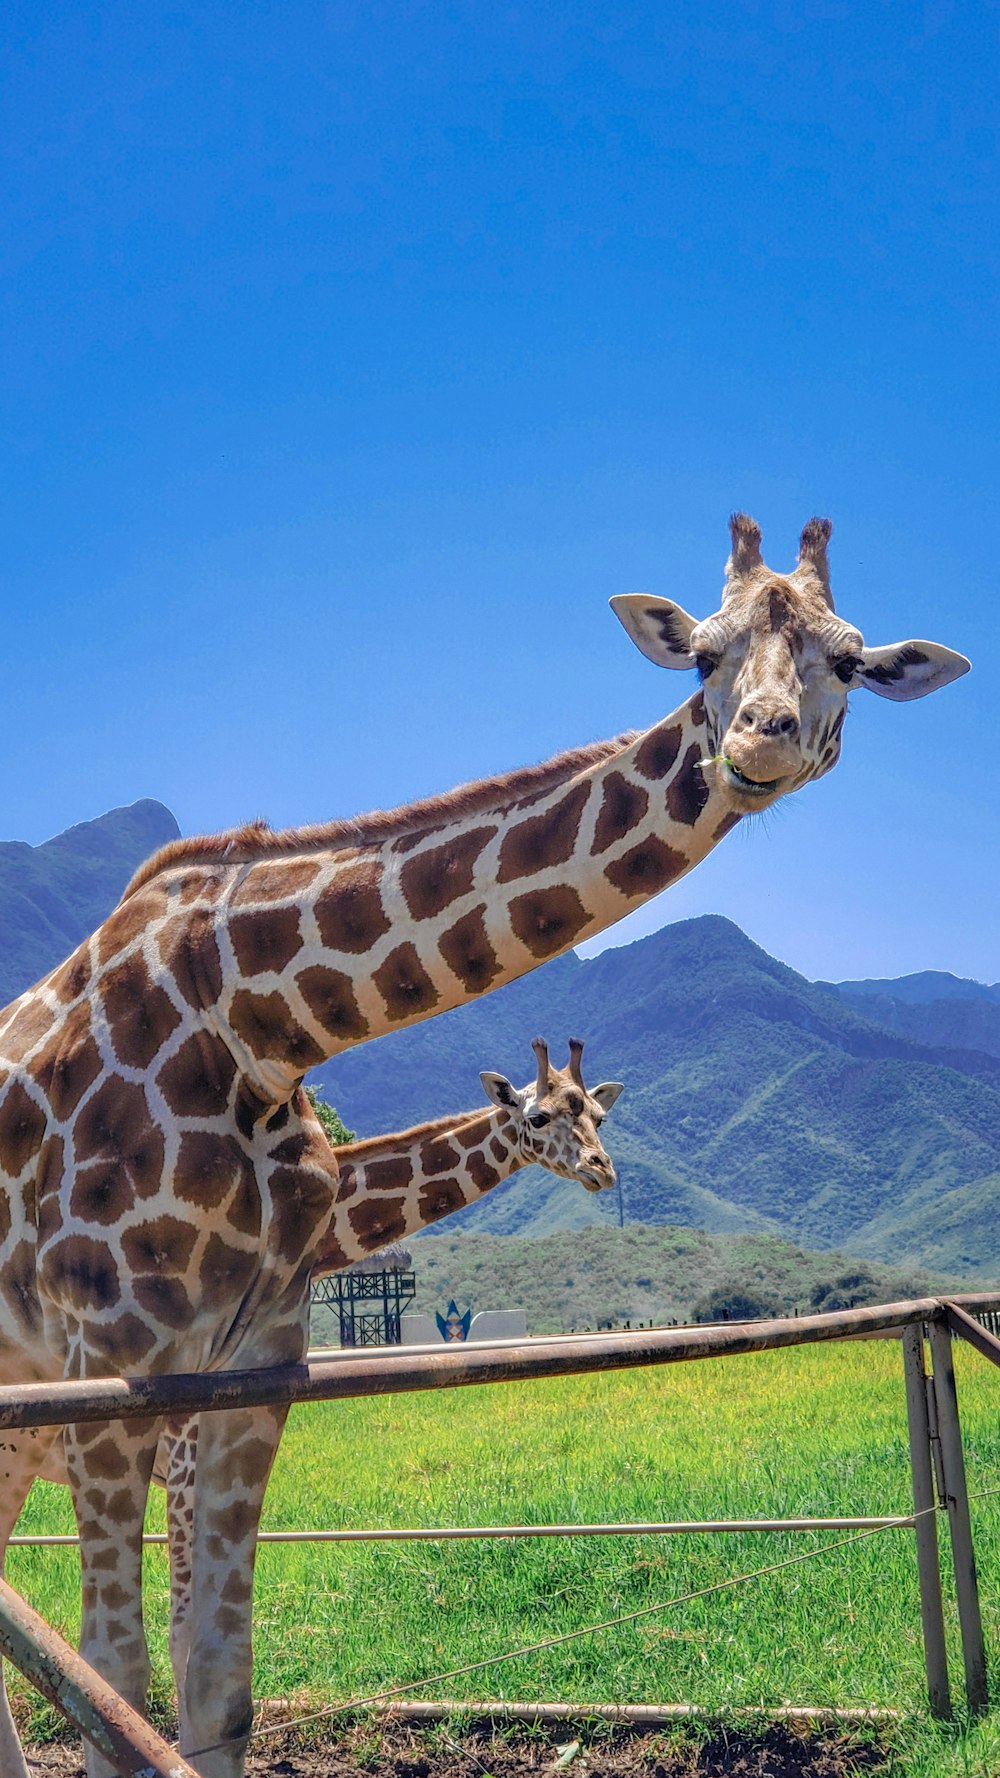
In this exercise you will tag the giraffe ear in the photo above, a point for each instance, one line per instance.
(608, 1093)
(907, 670)
(661, 629)
(498, 1088)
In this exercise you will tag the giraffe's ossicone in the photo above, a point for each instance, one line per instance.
(164, 1184)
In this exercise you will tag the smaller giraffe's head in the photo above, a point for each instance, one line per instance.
(776, 665)
(556, 1119)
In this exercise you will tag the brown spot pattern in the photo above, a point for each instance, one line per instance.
(165, 1299)
(377, 1221)
(189, 948)
(264, 942)
(657, 753)
(225, 1272)
(71, 978)
(27, 1027)
(302, 1198)
(141, 1016)
(438, 1154)
(208, 1166)
(439, 1197)
(349, 1182)
(645, 869)
(467, 950)
(688, 792)
(18, 1283)
(68, 1065)
(349, 911)
(329, 995)
(196, 1082)
(623, 806)
(279, 880)
(547, 920)
(22, 1128)
(100, 1194)
(129, 920)
(268, 1029)
(432, 880)
(114, 1127)
(392, 1174)
(543, 840)
(482, 1174)
(404, 984)
(163, 1245)
(81, 1272)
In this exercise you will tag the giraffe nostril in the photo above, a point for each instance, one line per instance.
(789, 725)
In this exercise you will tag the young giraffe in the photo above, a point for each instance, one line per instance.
(440, 1167)
(166, 1182)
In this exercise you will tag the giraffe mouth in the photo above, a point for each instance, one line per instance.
(592, 1181)
(754, 788)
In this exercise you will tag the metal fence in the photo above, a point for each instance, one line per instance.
(935, 1441)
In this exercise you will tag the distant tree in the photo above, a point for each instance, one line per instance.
(737, 1302)
(850, 1290)
(336, 1131)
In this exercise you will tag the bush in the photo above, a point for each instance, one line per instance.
(336, 1131)
(737, 1302)
(851, 1290)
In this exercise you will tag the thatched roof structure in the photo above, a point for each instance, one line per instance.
(394, 1258)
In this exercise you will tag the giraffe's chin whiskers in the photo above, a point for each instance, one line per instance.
(748, 793)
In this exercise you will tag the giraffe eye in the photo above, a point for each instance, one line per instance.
(846, 667)
(539, 1120)
(704, 665)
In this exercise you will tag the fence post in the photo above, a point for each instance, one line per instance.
(925, 1530)
(957, 1501)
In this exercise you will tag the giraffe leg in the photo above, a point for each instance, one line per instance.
(235, 1453)
(182, 1447)
(109, 1467)
(21, 1457)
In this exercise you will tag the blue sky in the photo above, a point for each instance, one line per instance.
(355, 355)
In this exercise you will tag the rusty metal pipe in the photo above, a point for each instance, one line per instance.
(101, 1716)
(396, 1371)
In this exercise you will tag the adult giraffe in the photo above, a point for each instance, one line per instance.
(166, 1184)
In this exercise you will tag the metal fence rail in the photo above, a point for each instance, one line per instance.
(936, 1459)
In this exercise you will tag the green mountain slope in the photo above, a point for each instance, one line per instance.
(931, 1008)
(635, 1274)
(53, 895)
(755, 1101)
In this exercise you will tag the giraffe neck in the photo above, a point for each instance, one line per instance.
(391, 1186)
(305, 944)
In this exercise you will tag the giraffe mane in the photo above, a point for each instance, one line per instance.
(255, 840)
(437, 1126)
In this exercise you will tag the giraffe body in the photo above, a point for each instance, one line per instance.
(164, 1184)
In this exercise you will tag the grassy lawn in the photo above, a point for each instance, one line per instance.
(813, 1432)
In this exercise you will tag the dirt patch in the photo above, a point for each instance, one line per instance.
(395, 1750)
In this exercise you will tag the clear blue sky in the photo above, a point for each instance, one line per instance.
(355, 354)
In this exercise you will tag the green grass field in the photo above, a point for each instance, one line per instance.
(818, 1431)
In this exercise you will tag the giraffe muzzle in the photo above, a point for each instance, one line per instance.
(595, 1177)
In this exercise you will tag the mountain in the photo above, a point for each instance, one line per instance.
(53, 895)
(756, 1101)
(930, 1007)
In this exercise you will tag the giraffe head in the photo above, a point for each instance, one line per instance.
(776, 665)
(556, 1119)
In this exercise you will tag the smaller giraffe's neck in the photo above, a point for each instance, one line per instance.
(392, 1186)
